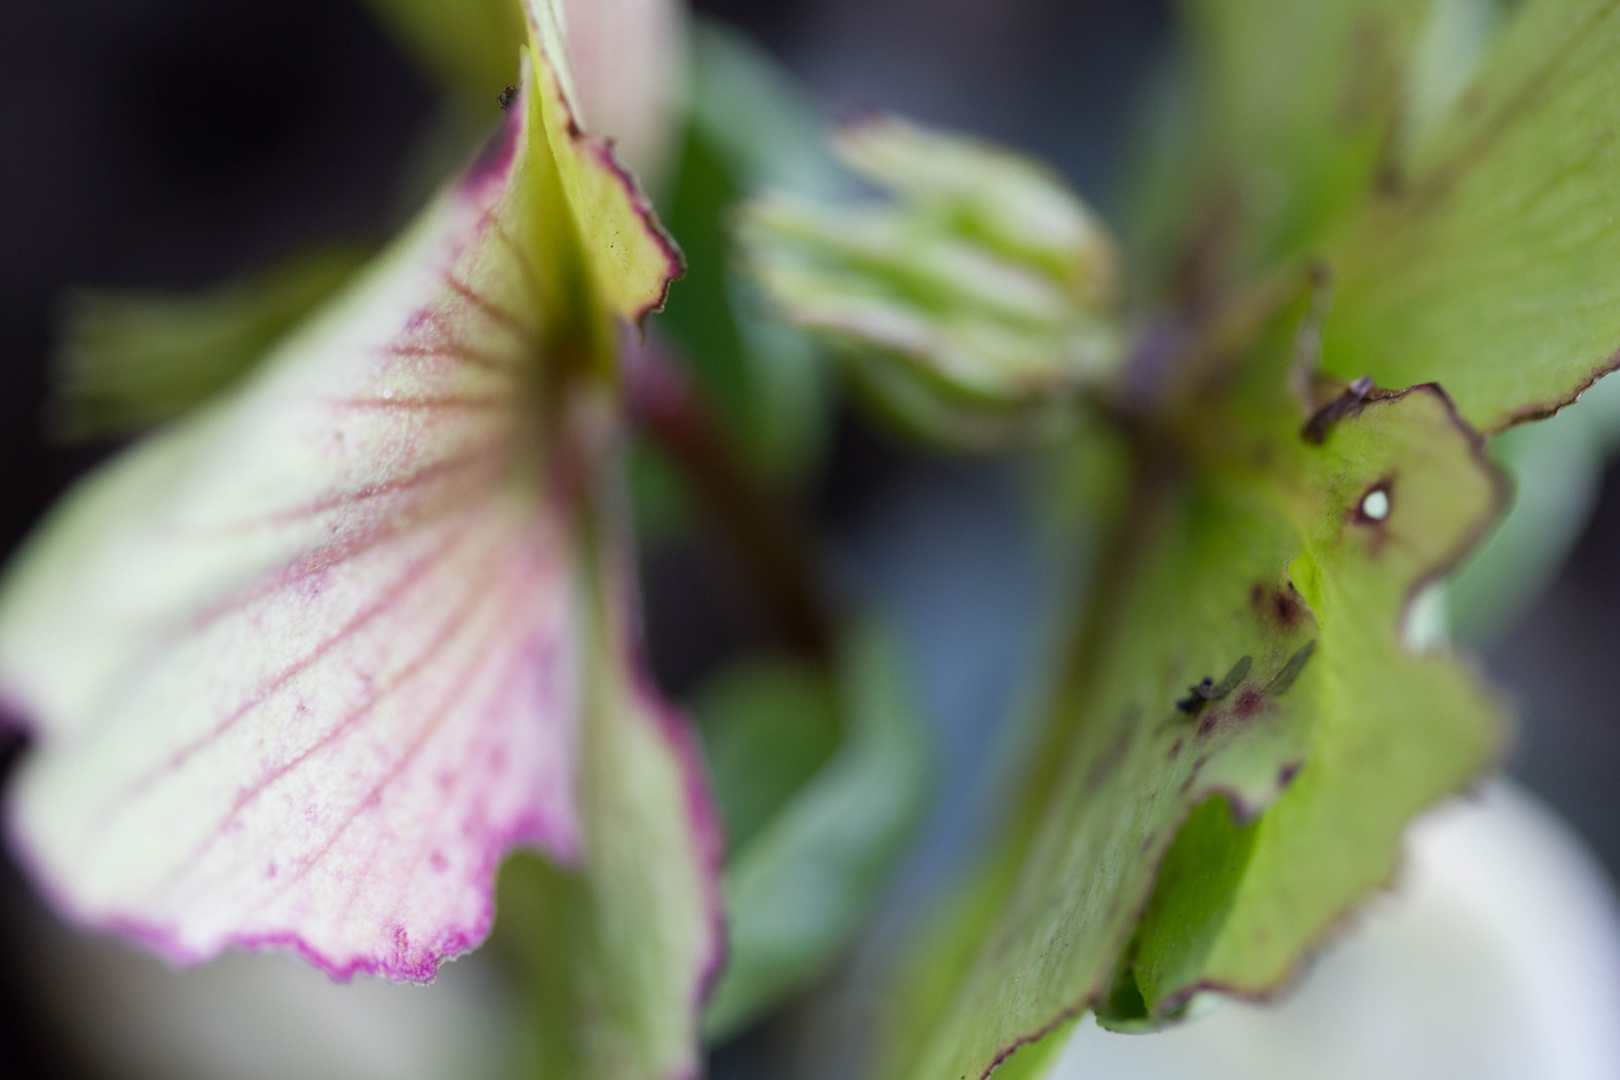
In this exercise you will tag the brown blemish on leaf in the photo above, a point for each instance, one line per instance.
(1286, 774)
(1175, 749)
(1248, 703)
(1280, 607)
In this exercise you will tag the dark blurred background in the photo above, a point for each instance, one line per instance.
(173, 143)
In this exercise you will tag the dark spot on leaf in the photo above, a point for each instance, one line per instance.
(1290, 671)
(1249, 702)
(1278, 606)
(1286, 774)
(1147, 842)
(1175, 749)
(1207, 725)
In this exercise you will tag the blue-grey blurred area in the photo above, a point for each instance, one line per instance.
(172, 143)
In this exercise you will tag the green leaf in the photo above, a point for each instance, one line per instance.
(1244, 670)
(1297, 104)
(768, 725)
(797, 888)
(750, 127)
(129, 360)
(762, 125)
(1490, 264)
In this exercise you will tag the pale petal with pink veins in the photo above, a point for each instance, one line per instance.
(302, 668)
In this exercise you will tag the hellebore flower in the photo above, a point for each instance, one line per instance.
(301, 668)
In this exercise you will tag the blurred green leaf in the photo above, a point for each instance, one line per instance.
(798, 886)
(760, 123)
(699, 315)
(749, 127)
(767, 726)
(1492, 263)
(130, 360)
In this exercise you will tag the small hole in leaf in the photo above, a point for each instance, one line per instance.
(1375, 504)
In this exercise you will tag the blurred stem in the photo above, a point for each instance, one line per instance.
(670, 411)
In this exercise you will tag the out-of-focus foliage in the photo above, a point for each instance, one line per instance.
(129, 360)
(975, 307)
(749, 128)
(768, 725)
(800, 880)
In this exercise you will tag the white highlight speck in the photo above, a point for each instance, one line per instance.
(1375, 507)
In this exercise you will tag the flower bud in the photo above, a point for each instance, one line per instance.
(976, 305)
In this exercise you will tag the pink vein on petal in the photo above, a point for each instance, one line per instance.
(445, 403)
(392, 595)
(531, 276)
(452, 626)
(493, 311)
(436, 717)
(492, 451)
(451, 350)
(517, 664)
